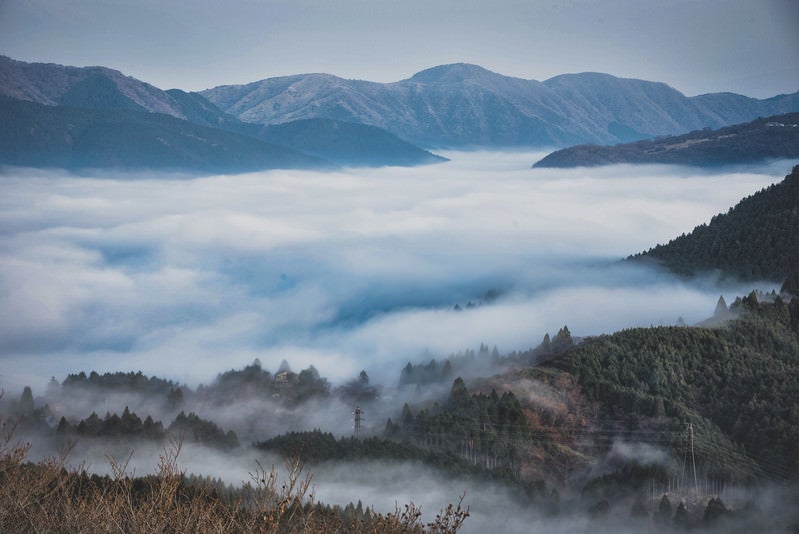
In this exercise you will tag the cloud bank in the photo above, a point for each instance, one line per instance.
(349, 270)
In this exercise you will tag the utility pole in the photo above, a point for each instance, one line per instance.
(357, 413)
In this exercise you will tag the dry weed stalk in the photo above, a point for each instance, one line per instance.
(47, 496)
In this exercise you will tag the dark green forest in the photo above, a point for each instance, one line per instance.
(758, 239)
(738, 385)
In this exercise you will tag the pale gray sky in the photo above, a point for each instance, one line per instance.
(697, 46)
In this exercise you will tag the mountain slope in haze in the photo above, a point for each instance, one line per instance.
(761, 139)
(423, 112)
(102, 88)
(467, 105)
(98, 88)
(346, 143)
(35, 135)
(757, 239)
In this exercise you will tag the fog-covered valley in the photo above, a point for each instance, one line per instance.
(341, 272)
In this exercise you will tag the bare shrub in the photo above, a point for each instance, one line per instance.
(47, 496)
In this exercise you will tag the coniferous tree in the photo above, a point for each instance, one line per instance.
(546, 344)
(26, 406)
(563, 340)
(664, 510)
(715, 511)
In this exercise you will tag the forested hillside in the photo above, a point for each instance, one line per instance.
(737, 385)
(770, 138)
(757, 239)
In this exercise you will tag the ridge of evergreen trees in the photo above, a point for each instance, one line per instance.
(486, 430)
(130, 426)
(738, 385)
(316, 446)
(121, 381)
(198, 430)
(755, 240)
(468, 362)
(127, 425)
(254, 381)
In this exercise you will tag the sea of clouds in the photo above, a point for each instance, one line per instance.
(356, 269)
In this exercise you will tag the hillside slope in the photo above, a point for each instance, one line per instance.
(757, 239)
(345, 143)
(761, 139)
(35, 135)
(101, 88)
(737, 385)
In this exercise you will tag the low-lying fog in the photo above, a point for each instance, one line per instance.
(350, 270)
(492, 507)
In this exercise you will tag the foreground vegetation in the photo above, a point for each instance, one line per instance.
(735, 383)
(48, 496)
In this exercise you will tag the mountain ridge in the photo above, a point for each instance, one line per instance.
(467, 105)
(36, 135)
(774, 137)
(457, 105)
(108, 99)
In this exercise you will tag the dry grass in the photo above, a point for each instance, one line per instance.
(49, 496)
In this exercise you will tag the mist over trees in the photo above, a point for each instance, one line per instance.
(592, 428)
(588, 398)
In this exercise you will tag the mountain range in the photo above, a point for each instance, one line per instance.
(466, 105)
(764, 138)
(35, 135)
(94, 117)
(322, 120)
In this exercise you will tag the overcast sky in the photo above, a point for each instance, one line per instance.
(749, 47)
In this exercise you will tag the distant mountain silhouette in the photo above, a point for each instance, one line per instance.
(458, 105)
(106, 95)
(36, 135)
(346, 143)
(761, 139)
(465, 105)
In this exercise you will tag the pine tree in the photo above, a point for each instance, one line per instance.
(563, 340)
(546, 344)
(26, 402)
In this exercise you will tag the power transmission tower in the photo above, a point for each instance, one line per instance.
(358, 413)
(689, 450)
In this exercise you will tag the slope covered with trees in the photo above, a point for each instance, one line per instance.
(738, 385)
(770, 138)
(757, 239)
